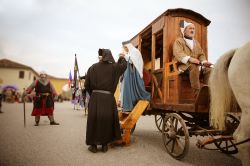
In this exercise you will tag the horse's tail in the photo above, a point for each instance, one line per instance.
(221, 94)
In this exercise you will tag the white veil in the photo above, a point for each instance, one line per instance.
(135, 57)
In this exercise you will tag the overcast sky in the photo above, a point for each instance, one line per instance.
(45, 34)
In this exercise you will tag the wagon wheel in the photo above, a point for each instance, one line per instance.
(159, 120)
(231, 124)
(223, 146)
(175, 135)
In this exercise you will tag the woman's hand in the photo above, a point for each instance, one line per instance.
(122, 55)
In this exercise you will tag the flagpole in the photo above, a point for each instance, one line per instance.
(78, 74)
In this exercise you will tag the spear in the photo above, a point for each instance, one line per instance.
(24, 112)
(24, 115)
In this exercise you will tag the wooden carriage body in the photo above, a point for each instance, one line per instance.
(169, 89)
(178, 115)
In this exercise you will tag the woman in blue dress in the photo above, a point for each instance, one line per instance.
(132, 84)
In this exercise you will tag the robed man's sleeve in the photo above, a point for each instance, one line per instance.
(121, 66)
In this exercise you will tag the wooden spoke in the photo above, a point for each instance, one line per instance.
(171, 122)
(159, 121)
(180, 137)
(169, 141)
(231, 123)
(226, 145)
(233, 144)
(176, 124)
(172, 149)
(179, 144)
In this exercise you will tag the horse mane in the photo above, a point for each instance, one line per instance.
(222, 98)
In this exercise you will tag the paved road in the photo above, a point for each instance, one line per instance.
(64, 145)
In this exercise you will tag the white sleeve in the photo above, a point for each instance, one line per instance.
(185, 59)
(126, 57)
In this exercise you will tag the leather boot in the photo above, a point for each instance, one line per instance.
(93, 148)
(105, 148)
(54, 123)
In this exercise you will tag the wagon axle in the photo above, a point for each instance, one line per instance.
(201, 144)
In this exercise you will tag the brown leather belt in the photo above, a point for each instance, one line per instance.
(43, 94)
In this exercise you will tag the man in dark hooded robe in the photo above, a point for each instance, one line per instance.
(101, 81)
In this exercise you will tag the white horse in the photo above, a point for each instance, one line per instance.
(230, 86)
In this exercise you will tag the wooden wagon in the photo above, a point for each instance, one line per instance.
(178, 115)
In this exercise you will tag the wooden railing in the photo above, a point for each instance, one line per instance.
(172, 68)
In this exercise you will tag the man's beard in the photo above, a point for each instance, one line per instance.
(43, 80)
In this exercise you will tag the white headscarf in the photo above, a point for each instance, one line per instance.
(190, 42)
(43, 80)
(135, 57)
(185, 26)
(42, 73)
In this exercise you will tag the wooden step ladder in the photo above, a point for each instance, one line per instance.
(128, 120)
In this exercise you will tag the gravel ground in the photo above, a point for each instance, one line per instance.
(64, 145)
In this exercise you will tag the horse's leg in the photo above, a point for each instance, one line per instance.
(242, 133)
(238, 74)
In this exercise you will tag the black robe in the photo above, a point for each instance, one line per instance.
(103, 123)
